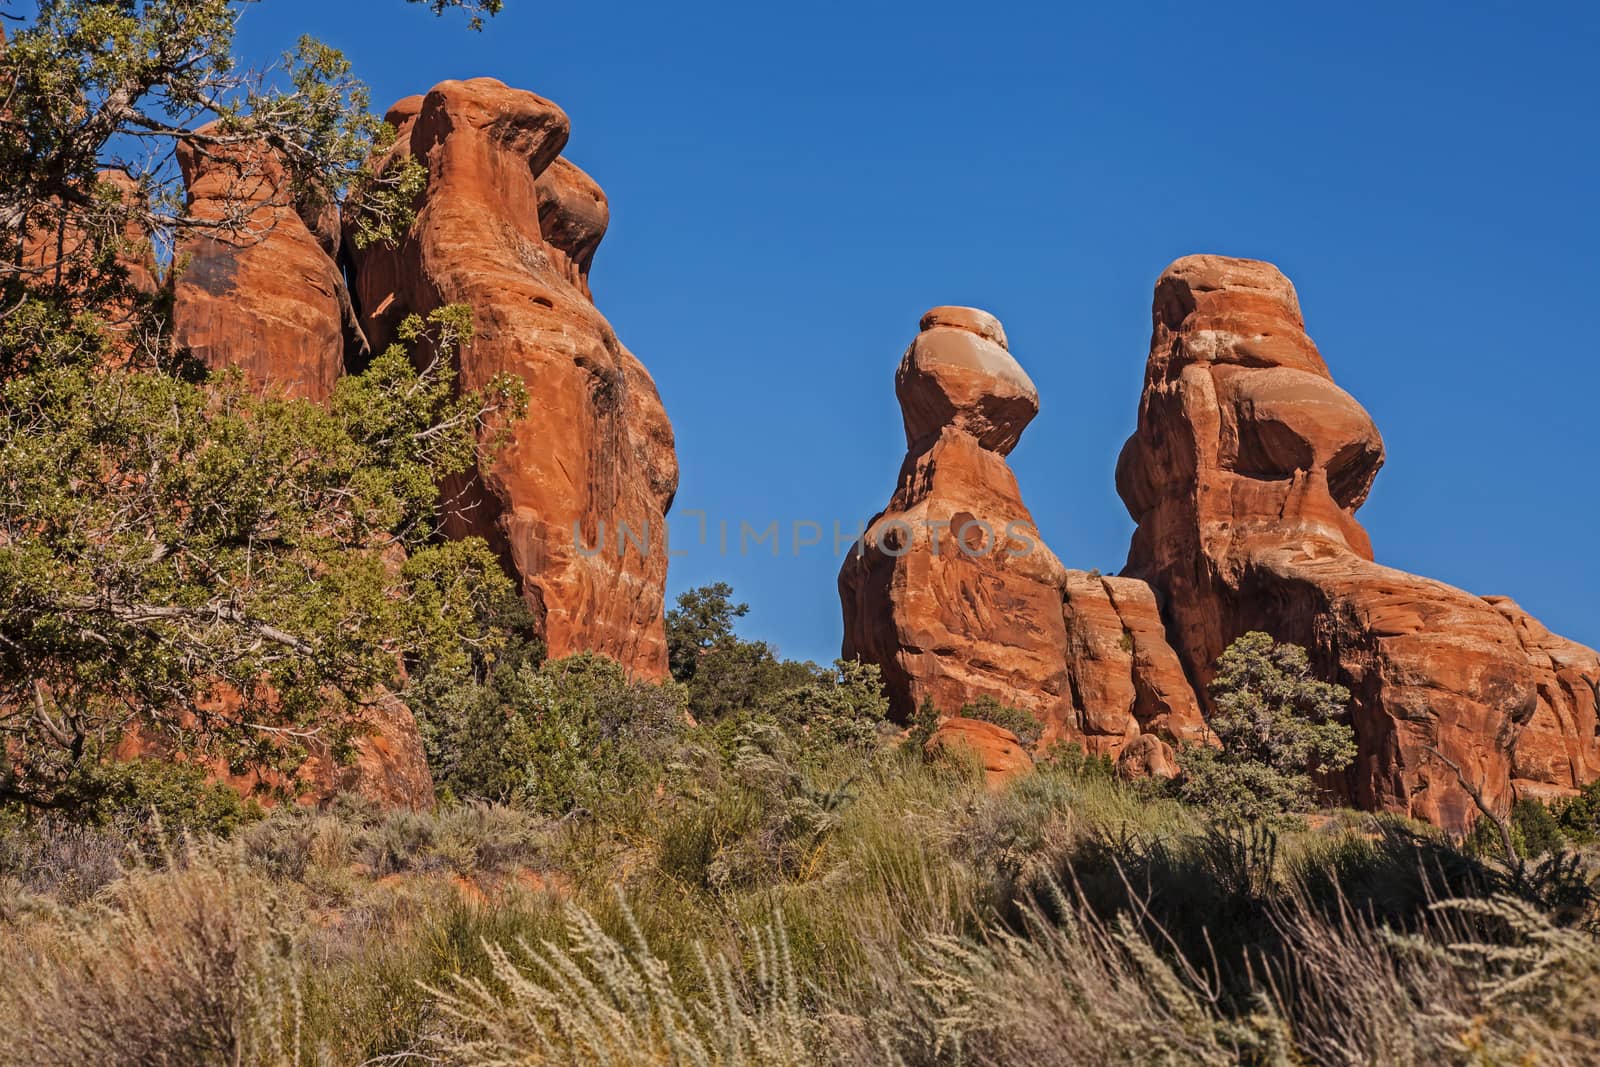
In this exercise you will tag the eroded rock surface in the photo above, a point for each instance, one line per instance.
(509, 228)
(262, 292)
(994, 748)
(1244, 476)
(954, 594)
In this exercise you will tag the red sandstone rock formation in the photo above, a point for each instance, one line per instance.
(1244, 476)
(262, 292)
(60, 247)
(954, 594)
(388, 766)
(509, 228)
(995, 748)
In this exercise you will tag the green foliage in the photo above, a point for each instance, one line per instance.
(923, 919)
(1277, 726)
(475, 9)
(844, 706)
(1579, 817)
(701, 621)
(1025, 724)
(924, 722)
(1539, 828)
(219, 566)
(163, 797)
(1070, 758)
(553, 737)
(214, 562)
(730, 679)
(94, 85)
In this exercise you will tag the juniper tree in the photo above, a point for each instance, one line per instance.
(215, 564)
(1277, 726)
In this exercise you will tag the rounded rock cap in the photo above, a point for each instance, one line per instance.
(959, 374)
(973, 320)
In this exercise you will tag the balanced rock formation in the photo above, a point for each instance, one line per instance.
(509, 228)
(955, 596)
(262, 291)
(1244, 476)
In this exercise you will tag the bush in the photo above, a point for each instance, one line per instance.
(564, 735)
(610, 1001)
(842, 706)
(156, 797)
(1025, 724)
(1277, 726)
(192, 965)
(726, 675)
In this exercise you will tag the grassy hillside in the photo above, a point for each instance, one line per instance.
(750, 895)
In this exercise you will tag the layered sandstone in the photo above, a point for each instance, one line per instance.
(953, 593)
(1244, 476)
(509, 228)
(259, 289)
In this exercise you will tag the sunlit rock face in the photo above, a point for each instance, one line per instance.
(261, 291)
(956, 596)
(509, 228)
(1244, 476)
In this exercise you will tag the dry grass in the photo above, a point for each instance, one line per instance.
(877, 912)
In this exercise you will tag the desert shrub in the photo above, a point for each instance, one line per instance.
(1536, 830)
(463, 838)
(564, 735)
(1277, 726)
(764, 818)
(924, 721)
(1578, 818)
(608, 1001)
(986, 708)
(62, 857)
(1070, 758)
(1025, 724)
(164, 795)
(727, 676)
(844, 706)
(193, 964)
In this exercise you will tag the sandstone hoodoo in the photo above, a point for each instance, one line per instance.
(262, 292)
(1244, 476)
(955, 596)
(509, 228)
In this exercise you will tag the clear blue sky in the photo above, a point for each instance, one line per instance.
(792, 185)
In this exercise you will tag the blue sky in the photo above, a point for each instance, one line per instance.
(792, 185)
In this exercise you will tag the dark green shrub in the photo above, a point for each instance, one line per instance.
(840, 706)
(1579, 816)
(1277, 726)
(1025, 724)
(726, 675)
(151, 796)
(567, 734)
(1070, 759)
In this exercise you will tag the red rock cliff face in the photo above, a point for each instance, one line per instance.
(954, 594)
(1244, 476)
(510, 228)
(267, 297)
(264, 295)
